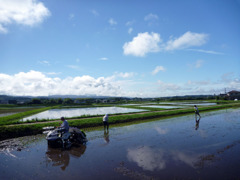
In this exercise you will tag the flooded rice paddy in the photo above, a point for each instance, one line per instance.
(163, 107)
(76, 112)
(190, 104)
(173, 148)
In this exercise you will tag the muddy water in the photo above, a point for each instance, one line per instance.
(174, 148)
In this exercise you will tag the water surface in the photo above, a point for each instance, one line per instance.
(75, 112)
(164, 107)
(190, 104)
(173, 148)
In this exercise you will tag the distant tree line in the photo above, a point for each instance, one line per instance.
(180, 98)
(109, 100)
(52, 101)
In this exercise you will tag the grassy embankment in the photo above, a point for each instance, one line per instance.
(10, 131)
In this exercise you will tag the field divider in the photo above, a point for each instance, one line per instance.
(16, 130)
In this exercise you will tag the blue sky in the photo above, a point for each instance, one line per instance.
(152, 48)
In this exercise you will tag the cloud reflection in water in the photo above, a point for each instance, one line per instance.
(156, 159)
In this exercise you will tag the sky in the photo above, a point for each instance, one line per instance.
(127, 48)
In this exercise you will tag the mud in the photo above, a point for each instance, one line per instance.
(18, 144)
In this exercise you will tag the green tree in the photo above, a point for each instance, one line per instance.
(36, 101)
(67, 101)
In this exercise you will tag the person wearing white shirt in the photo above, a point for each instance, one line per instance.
(105, 121)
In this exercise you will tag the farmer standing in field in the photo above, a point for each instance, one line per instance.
(197, 112)
(105, 121)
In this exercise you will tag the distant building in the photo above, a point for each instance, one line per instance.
(232, 95)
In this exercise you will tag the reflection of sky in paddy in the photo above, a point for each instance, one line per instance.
(174, 143)
(156, 159)
(166, 149)
(75, 112)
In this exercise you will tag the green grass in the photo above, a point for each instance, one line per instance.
(143, 108)
(14, 118)
(10, 131)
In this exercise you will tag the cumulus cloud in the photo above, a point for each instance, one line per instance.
(188, 39)
(35, 83)
(24, 12)
(142, 44)
(195, 87)
(146, 42)
(158, 69)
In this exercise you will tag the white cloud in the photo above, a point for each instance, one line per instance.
(198, 83)
(53, 73)
(124, 75)
(130, 23)
(35, 83)
(158, 69)
(147, 42)
(130, 30)
(25, 12)
(142, 44)
(104, 59)
(3, 30)
(44, 62)
(188, 39)
(112, 22)
(199, 87)
(151, 17)
(206, 51)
